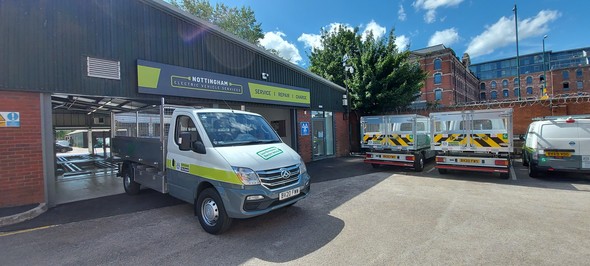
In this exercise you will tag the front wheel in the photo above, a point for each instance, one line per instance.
(211, 212)
(131, 187)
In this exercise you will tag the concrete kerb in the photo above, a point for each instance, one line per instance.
(21, 217)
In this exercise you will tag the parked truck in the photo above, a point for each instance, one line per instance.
(228, 163)
(474, 140)
(399, 140)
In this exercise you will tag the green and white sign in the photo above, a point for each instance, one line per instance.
(161, 79)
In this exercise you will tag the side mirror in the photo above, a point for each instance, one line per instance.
(199, 147)
(185, 141)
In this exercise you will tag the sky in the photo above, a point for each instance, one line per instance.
(483, 28)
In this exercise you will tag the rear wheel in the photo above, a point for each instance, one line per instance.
(131, 187)
(442, 171)
(418, 162)
(505, 175)
(211, 212)
(375, 165)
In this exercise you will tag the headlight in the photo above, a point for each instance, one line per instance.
(302, 168)
(247, 175)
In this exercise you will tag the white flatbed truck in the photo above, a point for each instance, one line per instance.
(229, 164)
(399, 140)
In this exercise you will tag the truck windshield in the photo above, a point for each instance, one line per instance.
(233, 129)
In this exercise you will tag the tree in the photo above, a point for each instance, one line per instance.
(239, 21)
(383, 80)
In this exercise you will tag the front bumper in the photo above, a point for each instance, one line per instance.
(237, 205)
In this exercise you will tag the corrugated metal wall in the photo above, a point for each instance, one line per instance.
(44, 46)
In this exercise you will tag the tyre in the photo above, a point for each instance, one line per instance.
(525, 161)
(442, 171)
(533, 172)
(211, 212)
(418, 162)
(131, 187)
(505, 175)
(375, 165)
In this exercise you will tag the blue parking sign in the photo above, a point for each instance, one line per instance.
(304, 128)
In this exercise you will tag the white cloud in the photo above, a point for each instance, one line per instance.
(314, 41)
(401, 13)
(446, 37)
(378, 30)
(275, 40)
(432, 5)
(502, 32)
(402, 42)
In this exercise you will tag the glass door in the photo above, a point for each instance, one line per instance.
(322, 128)
(319, 137)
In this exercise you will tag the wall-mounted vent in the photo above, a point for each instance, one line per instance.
(99, 120)
(100, 68)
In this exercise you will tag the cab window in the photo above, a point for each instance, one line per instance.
(185, 124)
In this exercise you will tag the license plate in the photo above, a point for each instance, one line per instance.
(558, 153)
(389, 156)
(469, 161)
(289, 193)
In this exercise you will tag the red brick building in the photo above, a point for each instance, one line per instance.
(449, 81)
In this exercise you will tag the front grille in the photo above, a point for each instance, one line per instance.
(273, 180)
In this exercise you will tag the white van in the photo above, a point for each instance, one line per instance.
(557, 144)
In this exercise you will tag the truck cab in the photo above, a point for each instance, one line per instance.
(228, 163)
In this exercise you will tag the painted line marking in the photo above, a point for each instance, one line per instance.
(512, 172)
(430, 170)
(27, 230)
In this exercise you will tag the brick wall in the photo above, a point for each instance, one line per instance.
(342, 140)
(21, 159)
(304, 147)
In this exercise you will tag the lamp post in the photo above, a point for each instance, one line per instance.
(517, 55)
(347, 68)
(545, 70)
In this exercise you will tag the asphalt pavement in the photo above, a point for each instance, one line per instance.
(320, 171)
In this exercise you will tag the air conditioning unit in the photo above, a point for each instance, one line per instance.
(99, 120)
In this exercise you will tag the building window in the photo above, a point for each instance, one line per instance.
(493, 84)
(566, 86)
(565, 74)
(494, 95)
(505, 93)
(504, 83)
(437, 64)
(438, 95)
(580, 85)
(517, 92)
(482, 96)
(529, 90)
(529, 80)
(541, 78)
(482, 86)
(579, 73)
(437, 78)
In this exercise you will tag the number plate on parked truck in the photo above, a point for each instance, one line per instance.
(469, 161)
(289, 193)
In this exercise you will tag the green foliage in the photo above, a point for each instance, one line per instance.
(383, 79)
(239, 21)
